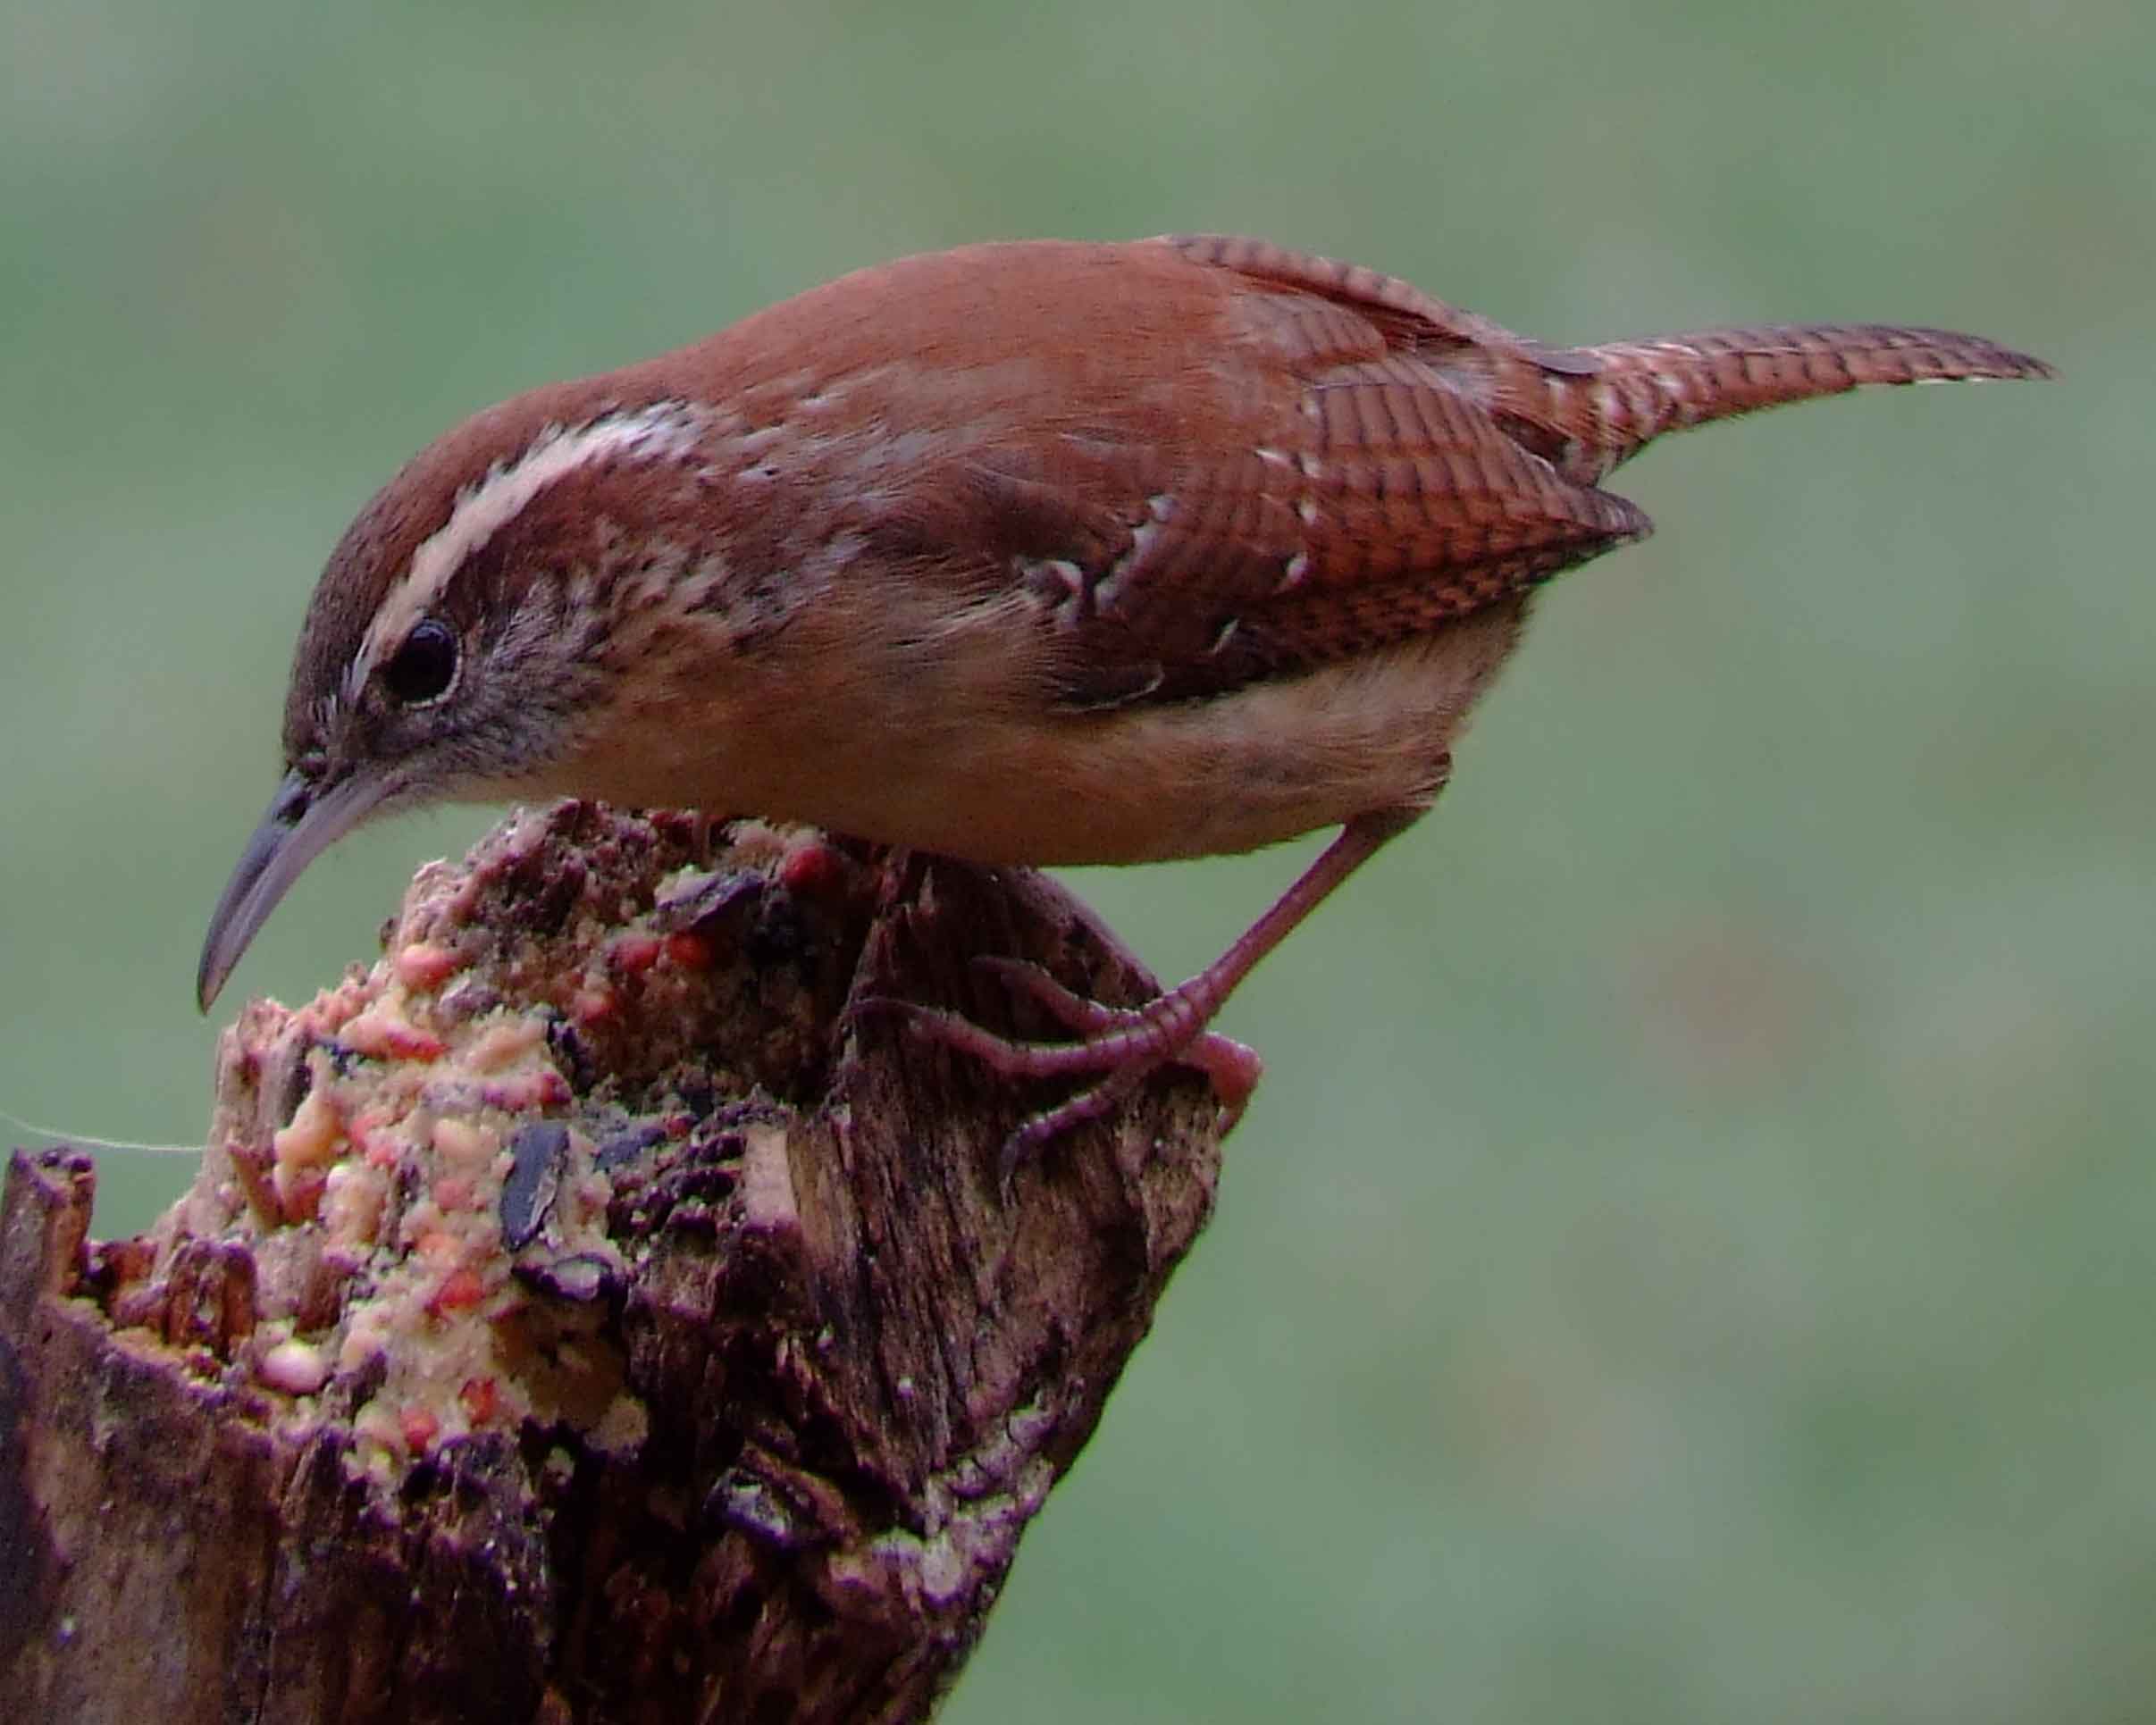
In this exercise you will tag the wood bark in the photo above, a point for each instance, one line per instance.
(865, 1365)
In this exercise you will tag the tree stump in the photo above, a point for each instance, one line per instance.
(589, 1313)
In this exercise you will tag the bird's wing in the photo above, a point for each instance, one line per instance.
(1281, 463)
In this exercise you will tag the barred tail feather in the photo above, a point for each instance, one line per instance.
(1639, 389)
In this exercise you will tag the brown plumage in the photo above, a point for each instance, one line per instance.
(1027, 553)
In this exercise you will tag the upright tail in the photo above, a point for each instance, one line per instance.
(1626, 393)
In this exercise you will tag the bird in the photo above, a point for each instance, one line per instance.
(1026, 553)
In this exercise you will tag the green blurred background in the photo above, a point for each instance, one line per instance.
(1692, 1259)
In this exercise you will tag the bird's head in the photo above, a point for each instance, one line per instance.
(458, 646)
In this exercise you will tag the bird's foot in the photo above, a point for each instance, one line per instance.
(1118, 1047)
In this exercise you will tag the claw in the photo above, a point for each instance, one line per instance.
(1122, 1045)
(1234, 1068)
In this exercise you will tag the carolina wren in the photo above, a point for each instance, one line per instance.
(1026, 554)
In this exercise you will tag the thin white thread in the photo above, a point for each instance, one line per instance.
(37, 1131)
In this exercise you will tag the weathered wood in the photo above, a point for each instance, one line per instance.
(863, 1365)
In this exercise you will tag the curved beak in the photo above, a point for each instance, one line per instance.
(304, 818)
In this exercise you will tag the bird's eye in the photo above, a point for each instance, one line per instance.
(423, 669)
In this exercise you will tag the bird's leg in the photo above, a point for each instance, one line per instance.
(1118, 1046)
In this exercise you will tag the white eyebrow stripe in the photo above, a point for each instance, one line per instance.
(648, 433)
